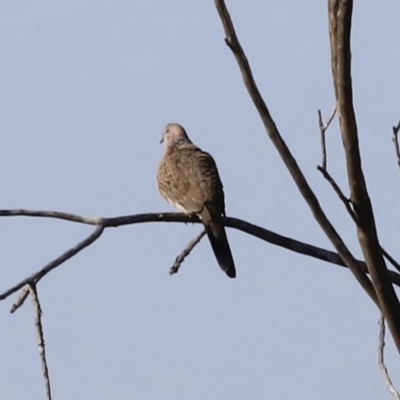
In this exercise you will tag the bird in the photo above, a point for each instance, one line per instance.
(188, 179)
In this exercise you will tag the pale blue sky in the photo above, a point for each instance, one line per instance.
(85, 90)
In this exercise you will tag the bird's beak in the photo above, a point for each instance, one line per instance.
(162, 139)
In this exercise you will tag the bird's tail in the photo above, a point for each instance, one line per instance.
(220, 245)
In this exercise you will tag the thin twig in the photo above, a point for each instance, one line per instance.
(40, 337)
(324, 171)
(347, 204)
(323, 128)
(323, 167)
(186, 251)
(323, 139)
(395, 139)
(333, 113)
(112, 222)
(51, 214)
(35, 278)
(381, 361)
(336, 188)
(390, 259)
(21, 299)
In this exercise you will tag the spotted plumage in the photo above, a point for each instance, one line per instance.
(188, 178)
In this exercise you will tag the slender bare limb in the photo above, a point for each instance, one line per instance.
(323, 139)
(233, 43)
(40, 337)
(333, 113)
(235, 223)
(167, 217)
(323, 167)
(105, 222)
(324, 171)
(323, 127)
(21, 299)
(338, 191)
(186, 251)
(381, 359)
(390, 259)
(51, 214)
(395, 139)
(340, 17)
(347, 204)
(35, 278)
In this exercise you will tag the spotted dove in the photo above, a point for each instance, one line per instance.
(188, 179)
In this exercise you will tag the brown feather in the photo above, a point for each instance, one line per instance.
(188, 178)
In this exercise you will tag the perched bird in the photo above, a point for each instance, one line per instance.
(188, 179)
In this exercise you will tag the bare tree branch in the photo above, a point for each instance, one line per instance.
(395, 139)
(233, 43)
(347, 204)
(340, 16)
(186, 251)
(235, 223)
(51, 214)
(40, 337)
(323, 127)
(381, 360)
(21, 299)
(338, 191)
(390, 259)
(324, 171)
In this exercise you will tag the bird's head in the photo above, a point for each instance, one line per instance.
(174, 134)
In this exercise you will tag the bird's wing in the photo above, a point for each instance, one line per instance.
(188, 178)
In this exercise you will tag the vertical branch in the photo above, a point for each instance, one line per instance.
(323, 139)
(381, 359)
(395, 139)
(340, 16)
(323, 127)
(232, 42)
(40, 337)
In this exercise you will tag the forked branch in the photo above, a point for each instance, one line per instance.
(40, 337)
(324, 171)
(340, 20)
(287, 157)
(103, 223)
(323, 127)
